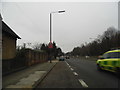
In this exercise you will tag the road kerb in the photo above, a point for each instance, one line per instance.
(42, 78)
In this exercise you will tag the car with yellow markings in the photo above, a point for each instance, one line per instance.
(110, 61)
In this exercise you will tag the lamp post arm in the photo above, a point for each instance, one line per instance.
(51, 22)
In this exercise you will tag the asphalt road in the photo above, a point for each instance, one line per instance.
(87, 71)
(60, 77)
(79, 73)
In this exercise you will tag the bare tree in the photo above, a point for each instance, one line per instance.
(37, 46)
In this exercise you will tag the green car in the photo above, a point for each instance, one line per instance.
(110, 61)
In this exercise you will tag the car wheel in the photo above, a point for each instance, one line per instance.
(98, 67)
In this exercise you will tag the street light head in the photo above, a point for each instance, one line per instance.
(61, 11)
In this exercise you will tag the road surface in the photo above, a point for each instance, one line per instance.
(79, 73)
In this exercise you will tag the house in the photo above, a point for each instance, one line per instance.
(9, 38)
(0, 37)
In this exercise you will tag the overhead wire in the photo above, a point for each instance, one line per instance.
(26, 15)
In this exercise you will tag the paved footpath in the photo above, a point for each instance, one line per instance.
(29, 77)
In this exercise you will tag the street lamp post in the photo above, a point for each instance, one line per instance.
(50, 43)
(51, 22)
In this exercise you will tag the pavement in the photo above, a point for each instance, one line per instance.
(28, 78)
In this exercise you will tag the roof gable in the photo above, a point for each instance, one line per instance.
(8, 30)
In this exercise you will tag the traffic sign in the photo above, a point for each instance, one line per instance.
(50, 45)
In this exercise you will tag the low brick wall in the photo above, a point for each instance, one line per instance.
(12, 65)
(34, 57)
(27, 58)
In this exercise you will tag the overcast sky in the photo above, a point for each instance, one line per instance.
(80, 22)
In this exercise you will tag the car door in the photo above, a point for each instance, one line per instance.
(111, 60)
(108, 62)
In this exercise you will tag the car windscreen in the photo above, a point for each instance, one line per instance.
(112, 55)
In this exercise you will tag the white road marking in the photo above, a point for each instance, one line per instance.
(69, 66)
(72, 69)
(75, 73)
(83, 83)
(67, 63)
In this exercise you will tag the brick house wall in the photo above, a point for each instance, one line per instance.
(8, 47)
(9, 38)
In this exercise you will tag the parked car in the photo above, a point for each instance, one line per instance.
(110, 61)
(62, 58)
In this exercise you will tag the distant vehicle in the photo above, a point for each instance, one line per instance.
(62, 58)
(67, 57)
(87, 56)
(110, 61)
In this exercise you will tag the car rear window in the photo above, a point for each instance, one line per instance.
(112, 55)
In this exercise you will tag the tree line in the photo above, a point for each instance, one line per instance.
(110, 39)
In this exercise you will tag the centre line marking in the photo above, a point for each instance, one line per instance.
(69, 66)
(72, 69)
(75, 73)
(67, 63)
(83, 83)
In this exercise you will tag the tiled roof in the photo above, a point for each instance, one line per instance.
(8, 30)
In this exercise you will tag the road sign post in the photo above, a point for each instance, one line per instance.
(50, 46)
